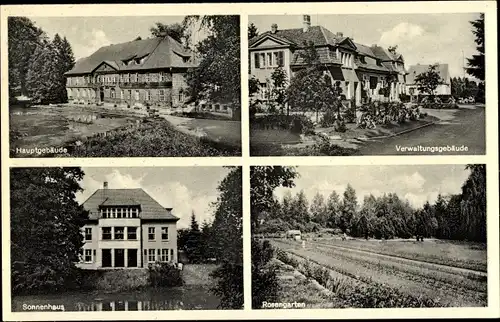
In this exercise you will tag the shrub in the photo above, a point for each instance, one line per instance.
(265, 284)
(404, 98)
(164, 274)
(340, 126)
(300, 124)
(329, 118)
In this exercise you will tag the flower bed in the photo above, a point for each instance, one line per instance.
(295, 123)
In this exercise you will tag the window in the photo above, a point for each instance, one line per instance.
(146, 78)
(162, 76)
(164, 255)
(262, 62)
(129, 94)
(164, 233)
(148, 95)
(88, 256)
(171, 254)
(121, 94)
(162, 95)
(181, 96)
(256, 60)
(88, 233)
(119, 232)
(112, 93)
(119, 213)
(151, 255)
(131, 233)
(106, 233)
(134, 212)
(151, 233)
(270, 59)
(136, 97)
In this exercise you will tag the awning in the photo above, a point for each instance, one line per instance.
(342, 74)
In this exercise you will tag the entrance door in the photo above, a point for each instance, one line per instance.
(101, 94)
(119, 258)
(131, 257)
(106, 258)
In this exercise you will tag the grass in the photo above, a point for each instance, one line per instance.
(153, 138)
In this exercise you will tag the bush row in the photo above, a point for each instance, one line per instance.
(299, 124)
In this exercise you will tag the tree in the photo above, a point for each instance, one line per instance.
(318, 210)
(263, 181)
(348, 208)
(300, 209)
(228, 240)
(428, 81)
(252, 31)
(177, 31)
(279, 78)
(309, 90)
(333, 209)
(476, 64)
(473, 204)
(193, 245)
(45, 213)
(65, 61)
(23, 39)
(363, 221)
(43, 78)
(217, 77)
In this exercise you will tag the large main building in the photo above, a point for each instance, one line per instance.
(127, 228)
(149, 72)
(356, 66)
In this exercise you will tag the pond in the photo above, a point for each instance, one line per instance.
(53, 126)
(189, 297)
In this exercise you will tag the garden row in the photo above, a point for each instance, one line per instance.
(408, 279)
(352, 291)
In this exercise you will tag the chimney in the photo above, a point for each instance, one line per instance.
(306, 23)
(340, 34)
(274, 28)
(104, 191)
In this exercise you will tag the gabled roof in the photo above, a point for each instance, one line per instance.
(160, 52)
(317, 34)
(414, 70)
(365, 50)
(150, 208)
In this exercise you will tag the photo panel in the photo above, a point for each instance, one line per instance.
(399, 236)
(326, 85)
(126, 239)
(124, 86)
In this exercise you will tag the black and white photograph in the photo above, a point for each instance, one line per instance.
(126, 239)
(367, 84)
(122, 86)
(398, 236)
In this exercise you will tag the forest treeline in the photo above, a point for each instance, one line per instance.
(36, 63)
(459, 217)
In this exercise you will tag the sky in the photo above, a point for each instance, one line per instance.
(182, 188)
(87, 34)
(421, 38)
(416, 183)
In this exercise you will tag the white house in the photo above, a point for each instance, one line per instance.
(443, 89)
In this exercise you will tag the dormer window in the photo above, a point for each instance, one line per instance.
(185, 59)
(362, 59)
(379, 63)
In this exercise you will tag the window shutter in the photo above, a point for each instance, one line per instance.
(280, 58)
(257, 61)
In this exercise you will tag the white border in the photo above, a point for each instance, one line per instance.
(244, 10)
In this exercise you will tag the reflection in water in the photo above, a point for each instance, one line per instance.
(131, 305)
(182, 298)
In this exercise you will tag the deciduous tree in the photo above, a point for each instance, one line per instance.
(428, 81)
(45, 228)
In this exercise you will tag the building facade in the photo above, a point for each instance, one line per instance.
(127, 228)
(362, 72)
(139, 73)
(442, 89)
